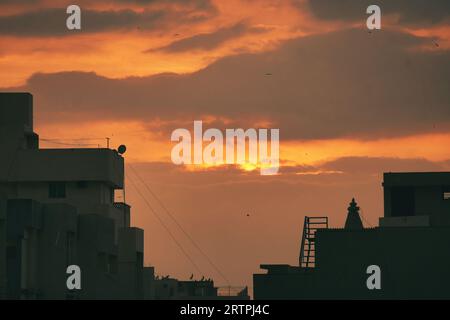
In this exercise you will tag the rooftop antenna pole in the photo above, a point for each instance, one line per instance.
(107, 142)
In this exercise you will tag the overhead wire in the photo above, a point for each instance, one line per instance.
(194, 243)
(164, 225)
(365, 220)
(69, 144)
(63, 141)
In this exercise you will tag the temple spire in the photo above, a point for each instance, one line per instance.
(353, 221)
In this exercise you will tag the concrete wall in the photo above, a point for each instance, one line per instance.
(428, 194)
(414, 262)
(24, 220)
(285, 286)
(166, 289)
(74, 165)
(97, 256)
(131, 264)
(57, 249)
(46, 239)
(92, 197)
(149, 283)
(91, 193)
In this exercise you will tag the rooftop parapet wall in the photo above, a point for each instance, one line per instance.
(22, 161)
(16, 109)
(69, 165)
(416, 179)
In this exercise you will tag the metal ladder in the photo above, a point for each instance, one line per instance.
(308, 246)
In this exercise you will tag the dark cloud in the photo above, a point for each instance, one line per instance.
(343, 84)
(18, 2)
(199, 4)
(208, 41)
(409, 11)
(52, 21)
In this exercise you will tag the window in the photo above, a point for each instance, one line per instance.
(446, 193)
(57, 190)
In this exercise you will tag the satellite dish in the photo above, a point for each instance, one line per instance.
(122, 149)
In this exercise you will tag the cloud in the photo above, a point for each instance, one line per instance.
(52, 21)
(375, 165)
(409, 11)
(18, 2)
(352, 165)
(342, 84)
(198, 4)
(209, 41)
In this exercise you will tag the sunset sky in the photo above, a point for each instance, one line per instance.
(350, 104)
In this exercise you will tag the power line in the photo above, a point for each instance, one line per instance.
(165, 226)
(61, 141)
(76, 139)
(68, 144)
(365, 220)
(179, 225)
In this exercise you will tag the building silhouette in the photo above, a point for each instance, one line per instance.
(410, 246)
(57, 208)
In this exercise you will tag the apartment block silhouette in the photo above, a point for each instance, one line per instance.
(57, 208)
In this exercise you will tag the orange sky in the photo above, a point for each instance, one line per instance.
(208, 34)
(121, 54)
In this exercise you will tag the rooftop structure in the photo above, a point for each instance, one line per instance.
(410, 247)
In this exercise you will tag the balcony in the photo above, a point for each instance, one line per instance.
(103, 165)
